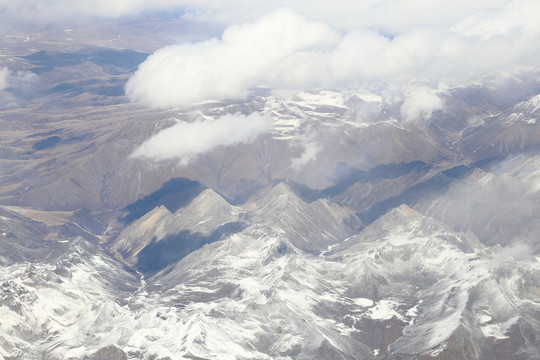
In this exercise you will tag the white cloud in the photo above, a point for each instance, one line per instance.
(285, 51)
(248, 55)
(18, 81)
(512, 252)
(311, 148)
(186, 140)
(420, 105)
(322, 44)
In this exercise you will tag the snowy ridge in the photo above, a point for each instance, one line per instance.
(65, 309)
(256, 295)
(530, 106)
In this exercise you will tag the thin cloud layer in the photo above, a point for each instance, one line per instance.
(4, 75)
(186, 140)
(59, 10)
(389, 17)
(286, 51)
(310, 150)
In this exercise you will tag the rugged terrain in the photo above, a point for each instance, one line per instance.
(343, 231)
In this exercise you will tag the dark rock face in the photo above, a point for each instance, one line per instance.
(110, 352)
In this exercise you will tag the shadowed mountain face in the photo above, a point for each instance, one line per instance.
(111, 60)
(174, 194)
(158, 255)
(324, 225)
(369, 293)
(350, 176)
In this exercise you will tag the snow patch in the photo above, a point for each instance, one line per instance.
(363, 302)
(324, 97)
(384, 310)
(498, 330)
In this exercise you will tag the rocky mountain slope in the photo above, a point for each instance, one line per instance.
(338, 229)
(406, 286)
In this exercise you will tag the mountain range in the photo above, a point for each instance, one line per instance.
(328, 225)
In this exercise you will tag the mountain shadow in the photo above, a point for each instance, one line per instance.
(174, 194)
(347, 176)
(159, 254)
(47, 143)
(113, 60)
(432, 186)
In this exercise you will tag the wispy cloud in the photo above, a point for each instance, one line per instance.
(512, 252)
(503, 199)
(310, 150)
(186, 140)
(4, 75)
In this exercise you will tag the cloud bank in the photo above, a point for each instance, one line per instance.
(265, 53)
(186, 140)
(286, 51)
